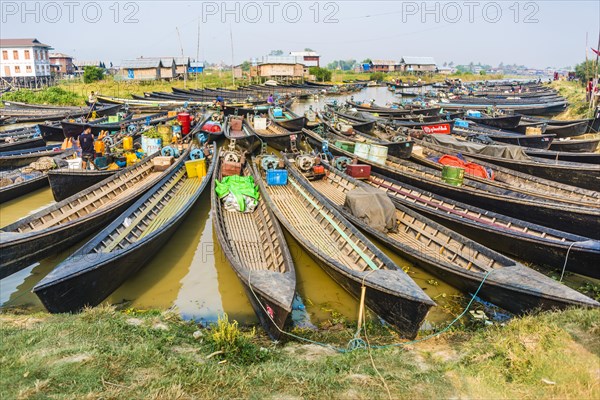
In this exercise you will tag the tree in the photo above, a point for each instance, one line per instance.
(246, 66)
(308, 49)
(276, 53)
(377, 76)
(367, 61)
(482, 72)
(321, 74)
(451, 64)
(92, 74)
(445, 63)
(585, 70)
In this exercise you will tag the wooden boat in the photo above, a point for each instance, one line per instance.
(346, 254)
(393, 112)
(502, 122)
(27, 142)
(19, 158)
(399, 146)
(524, 240)
(457, 260)
(257, 251)
(510, 179)
(584, 158)
(576, 145)
(474, 133)
(338, 120)
(245, 139)
(554, 107)
(569, 173)
(288, 120)
(561, 216)
(101, 265)
(58, 226)
(569, 130)
(523, 127)
(275, 135)
(24, 183)
(73, 129)
(51, 131)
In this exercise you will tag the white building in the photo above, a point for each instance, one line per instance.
(308, 58)
(24, 58)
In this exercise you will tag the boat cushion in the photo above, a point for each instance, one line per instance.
(373, 207)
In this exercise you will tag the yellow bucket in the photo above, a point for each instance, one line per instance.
(195, 168)
(127, 143)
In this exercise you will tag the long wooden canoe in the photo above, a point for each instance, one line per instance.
(275, 135)
(65, 223)
(458, 260)
(101, 265)
(569, 218)
(347, 255)
(257, 251)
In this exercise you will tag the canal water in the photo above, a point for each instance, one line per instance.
(191, 275)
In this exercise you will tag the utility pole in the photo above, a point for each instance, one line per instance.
(182, 56)
(232, 63)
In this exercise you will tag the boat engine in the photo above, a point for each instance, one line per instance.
(340, 163)
(269, 162)
(230, 156)
(305, 162)
(169, 151)
(196, 154)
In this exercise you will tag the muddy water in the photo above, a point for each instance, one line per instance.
(191, 274)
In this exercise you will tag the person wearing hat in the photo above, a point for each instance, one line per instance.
(86, 142)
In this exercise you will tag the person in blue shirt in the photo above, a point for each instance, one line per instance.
(220, 102)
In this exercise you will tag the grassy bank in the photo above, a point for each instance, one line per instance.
(103, 353)
(75, 92)
(574, 92)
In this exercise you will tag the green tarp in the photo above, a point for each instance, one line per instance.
(241, 188)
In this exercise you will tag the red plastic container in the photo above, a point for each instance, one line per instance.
(358, 171)
(185, 120)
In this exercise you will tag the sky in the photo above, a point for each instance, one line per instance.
(537, 34)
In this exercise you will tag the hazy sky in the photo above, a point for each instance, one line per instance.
(534, 33)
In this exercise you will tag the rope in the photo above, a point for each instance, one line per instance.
(357, 343)
(562, 274)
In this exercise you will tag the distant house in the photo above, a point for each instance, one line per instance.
(418, 64)
(61, 63)
(196, 67)
(79, 65)
(182, 64)
(141, 69)
(308, 58)
(24, 58)
(384, 66)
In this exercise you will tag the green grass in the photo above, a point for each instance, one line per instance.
(103, 353)
(574, 92)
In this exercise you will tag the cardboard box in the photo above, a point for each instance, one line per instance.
(229, 168)
(162, 163)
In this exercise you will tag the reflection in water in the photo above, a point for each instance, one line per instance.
(192, 275)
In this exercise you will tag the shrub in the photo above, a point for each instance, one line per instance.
(92, 74)
(321, 74)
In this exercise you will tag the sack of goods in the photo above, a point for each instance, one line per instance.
(238, 193)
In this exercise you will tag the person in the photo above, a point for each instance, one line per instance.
(86, 142)
(589, 90)
(92, 98)
(270, 100)
(220, 102)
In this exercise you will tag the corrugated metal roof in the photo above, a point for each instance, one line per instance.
(281, 60)
(86, 63)
(385, 62)
(141, 63)
(418, 60)
(22, 43)
(182, 60)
